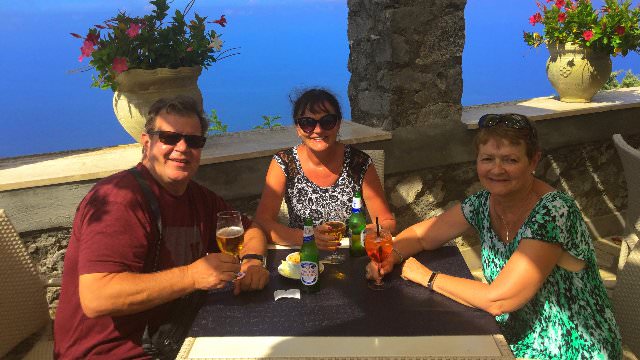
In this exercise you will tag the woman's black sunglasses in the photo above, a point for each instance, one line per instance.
(171, 138)
(514, 121)
(308, 124)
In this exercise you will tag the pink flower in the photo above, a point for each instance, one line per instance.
(535, 18)
(86, 50)
(560, 4)
(620, 30)
(562, 17)
(119, 65)
(134, 30)
(222, 21)
(189, 49)
(587, 34)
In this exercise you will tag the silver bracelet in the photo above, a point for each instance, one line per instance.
(395, 251)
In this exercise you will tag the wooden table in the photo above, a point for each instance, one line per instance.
(345, 319)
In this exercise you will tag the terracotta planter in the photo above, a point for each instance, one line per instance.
(576, 72)
(138, 89)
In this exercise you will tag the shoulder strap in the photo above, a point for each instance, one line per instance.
(155, 208)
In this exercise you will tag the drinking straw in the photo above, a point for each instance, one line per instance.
(377, 228)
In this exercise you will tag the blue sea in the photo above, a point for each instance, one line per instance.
(284, 46)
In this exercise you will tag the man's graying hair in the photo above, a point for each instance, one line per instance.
(181, 105)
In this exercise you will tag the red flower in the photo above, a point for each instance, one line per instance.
(620, 30)
(562, 17)
(119, 65)
(86, 50)
(535, 18)
(93, 38)
(560, 4)
(222, 21)
(134, 30)
(76, 35)
(587, 34)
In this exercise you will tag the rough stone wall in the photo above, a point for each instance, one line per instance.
(591, 173)
(405, 62)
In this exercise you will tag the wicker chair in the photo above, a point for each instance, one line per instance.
(377, 156)
(627, 291)
(23, 306)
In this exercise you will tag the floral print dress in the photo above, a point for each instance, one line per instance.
(570, 316)
(306, 199)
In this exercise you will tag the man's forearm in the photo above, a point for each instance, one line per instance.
(115, 294)
(255, 241)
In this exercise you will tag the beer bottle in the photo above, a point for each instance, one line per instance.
(309, 265)
(356, 225)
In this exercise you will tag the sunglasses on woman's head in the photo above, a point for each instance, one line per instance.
(513, 121)
(326, 122)
(172, 138)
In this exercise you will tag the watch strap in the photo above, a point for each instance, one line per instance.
(256, 257)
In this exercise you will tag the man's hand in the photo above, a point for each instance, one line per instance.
(256, 277)
(213, 271)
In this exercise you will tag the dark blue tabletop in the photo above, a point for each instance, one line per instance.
(345, 306)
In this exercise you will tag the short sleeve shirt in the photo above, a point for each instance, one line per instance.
(112, 233)
(570, 317)
(305, 199)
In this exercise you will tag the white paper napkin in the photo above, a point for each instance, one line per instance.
(291, 293)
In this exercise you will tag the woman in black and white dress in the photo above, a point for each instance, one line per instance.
(318, 177)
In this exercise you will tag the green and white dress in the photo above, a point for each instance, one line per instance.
(570, 317)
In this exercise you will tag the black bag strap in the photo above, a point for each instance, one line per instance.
(155, 208)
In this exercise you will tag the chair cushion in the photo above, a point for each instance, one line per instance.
(23, 306)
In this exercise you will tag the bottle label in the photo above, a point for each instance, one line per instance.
(307, 231)
(356, 204)
(308, 272)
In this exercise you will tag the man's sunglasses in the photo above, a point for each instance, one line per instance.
(513, 121)
(171, 138)
(308, 124)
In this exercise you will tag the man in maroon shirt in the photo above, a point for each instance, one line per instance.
(108, 294)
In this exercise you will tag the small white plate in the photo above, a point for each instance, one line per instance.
(291, 271)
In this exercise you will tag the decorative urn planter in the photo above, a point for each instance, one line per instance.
(577, 72)
(138, 89)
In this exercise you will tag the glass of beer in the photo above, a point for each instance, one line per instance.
(230, 234)
(336, 230)
(378, 245)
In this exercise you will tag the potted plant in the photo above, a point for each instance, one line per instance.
(144, 58)
(581, 40)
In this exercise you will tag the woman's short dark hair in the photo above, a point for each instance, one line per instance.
(182, 105)
(514, 128)
(316, 100)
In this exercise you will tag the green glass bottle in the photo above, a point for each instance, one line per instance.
(356, 225)
(309, 264)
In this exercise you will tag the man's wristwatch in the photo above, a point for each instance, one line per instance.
(262, 258)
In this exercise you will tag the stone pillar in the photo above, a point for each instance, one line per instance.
(405, 61)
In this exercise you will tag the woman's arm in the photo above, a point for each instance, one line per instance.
(517, 283)
(269, 207)
(377, 205)
(432, 233)
(426, 235)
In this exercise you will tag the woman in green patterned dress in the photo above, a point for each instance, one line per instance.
(537, 255)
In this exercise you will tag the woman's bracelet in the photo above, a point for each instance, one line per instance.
(432, 279)
(395, 251)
